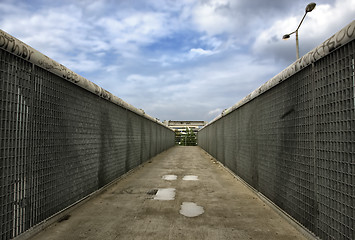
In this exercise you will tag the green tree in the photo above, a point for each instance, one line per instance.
(189, 138)
(177, 137)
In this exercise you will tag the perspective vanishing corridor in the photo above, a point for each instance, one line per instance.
(77, 162)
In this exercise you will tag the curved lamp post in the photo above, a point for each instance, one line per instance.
(309, 8)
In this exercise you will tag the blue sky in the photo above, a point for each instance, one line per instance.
(177, 60)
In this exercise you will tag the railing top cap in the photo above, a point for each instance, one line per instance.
(19, 48)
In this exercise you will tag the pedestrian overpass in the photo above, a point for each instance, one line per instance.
(78, 162)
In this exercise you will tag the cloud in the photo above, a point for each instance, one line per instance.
(213, 17)
(200, 51)
(241, 19)
(175, 59)
(136, 30)
(80, 63)
(203, 86)
(215, 112)
(320, 24)
(60, 33)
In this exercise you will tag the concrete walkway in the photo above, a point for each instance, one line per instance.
(126, 211)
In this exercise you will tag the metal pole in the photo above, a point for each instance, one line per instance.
(309, 8)
(297, 46)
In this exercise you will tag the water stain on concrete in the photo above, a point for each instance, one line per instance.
(191, 209)
(165, 194)
(190, 178)
(169, 177)
(152, 192)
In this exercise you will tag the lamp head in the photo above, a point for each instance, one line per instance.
(310, 7)
(286, 36)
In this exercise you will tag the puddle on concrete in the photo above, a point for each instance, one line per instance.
(165, 194)
(152, 192)
(190, 209)
(190, 178)
(169, 177)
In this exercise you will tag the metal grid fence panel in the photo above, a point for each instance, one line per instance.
(202, 142)
(14, 124)
(285, 146)
(335, 143)
(159, 140)
(220, 141)
(133, 140)
(153, 140)
(59, 143)
(229, 141)
(145, 140)
(212, 135)
(245, 144)
(295, 143)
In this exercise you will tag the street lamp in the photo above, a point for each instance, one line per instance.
(309, 8)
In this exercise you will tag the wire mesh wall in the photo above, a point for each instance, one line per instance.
(60, 142)
(295, 143)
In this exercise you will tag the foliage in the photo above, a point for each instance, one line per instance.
(188, 139)
(177, 137)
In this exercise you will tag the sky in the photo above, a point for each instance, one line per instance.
(176, 60)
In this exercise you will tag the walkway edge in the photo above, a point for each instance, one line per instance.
(304, 231)
(31, 232)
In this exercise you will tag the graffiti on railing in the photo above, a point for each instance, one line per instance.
(12, 45)
(53, 66)
(339, 39)
(17, 47)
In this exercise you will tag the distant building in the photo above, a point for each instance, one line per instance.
(181, 136)
(182, 125)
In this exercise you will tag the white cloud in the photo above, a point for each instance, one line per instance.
(129, 33)
(195, 52)
(82, 64)
(215, 112)
(142, 80)
(212, 16)
(175, 59)
(213, 85)
(319, 25)
(201, 51)
(60, 33)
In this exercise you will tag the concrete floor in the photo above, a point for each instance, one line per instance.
(126, 211)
